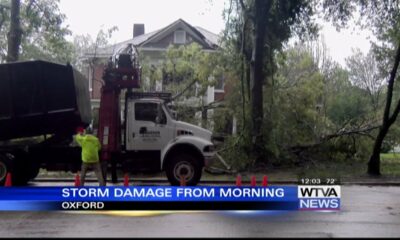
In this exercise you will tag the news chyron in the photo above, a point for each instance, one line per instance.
(319, 194)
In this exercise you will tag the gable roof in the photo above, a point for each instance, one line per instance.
(211, 37)
(205, 37)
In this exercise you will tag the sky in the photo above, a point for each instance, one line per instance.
(89, 16)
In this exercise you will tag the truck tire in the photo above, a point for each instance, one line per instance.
(5, 167)
(16, 169)
(183, 164)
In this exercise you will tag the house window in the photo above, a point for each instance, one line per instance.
(180, 37)
(220, 83)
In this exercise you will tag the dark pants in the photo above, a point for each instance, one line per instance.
(97, 170)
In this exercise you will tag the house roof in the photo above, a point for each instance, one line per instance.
(212, 37)
(207, 38)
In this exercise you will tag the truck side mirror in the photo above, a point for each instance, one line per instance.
(160, 119)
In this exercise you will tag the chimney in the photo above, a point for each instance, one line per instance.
(138, 29)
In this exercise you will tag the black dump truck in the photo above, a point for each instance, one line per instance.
(41, 105)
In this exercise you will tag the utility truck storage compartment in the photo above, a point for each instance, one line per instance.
(39, 97)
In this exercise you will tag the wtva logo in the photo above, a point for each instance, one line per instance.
(319, 197)
(318, 191)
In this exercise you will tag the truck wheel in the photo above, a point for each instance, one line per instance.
(5, 167)
(183, 165)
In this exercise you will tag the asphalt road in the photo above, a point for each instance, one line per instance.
(366, 212)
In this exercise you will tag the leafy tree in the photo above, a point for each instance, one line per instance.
(383, 18)
(43, 36)
(365, 74)
(87, 50)
(297, 94)
(186, 72)
(259, 29)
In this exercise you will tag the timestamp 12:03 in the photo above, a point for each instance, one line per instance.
(319, 181)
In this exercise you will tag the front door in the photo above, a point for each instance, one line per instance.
(144, 133)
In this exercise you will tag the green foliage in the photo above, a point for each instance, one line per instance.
(314, 110)
(390, 168)
(187, 64)
(351, 104)
(306, 104)
(86, 50)
(392, 138)
(256, 31)
(43, 31)
(186, 71)
(390, 156)
(150, 72)
(237, 152)
(182, 67)
(383, 19)
(365, 74)
(222, 119)
(297, 94)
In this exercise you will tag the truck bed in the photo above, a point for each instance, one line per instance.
(39, 97)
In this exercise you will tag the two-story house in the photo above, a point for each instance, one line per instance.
(152, 46)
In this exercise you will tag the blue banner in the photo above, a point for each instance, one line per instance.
(160, 198)
(150, 193)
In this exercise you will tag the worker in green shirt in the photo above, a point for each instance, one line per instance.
(90, 155)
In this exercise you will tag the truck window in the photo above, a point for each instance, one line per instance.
(147, 112)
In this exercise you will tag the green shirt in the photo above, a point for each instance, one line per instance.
(90, 147)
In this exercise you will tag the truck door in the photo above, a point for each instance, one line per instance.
(148, 127)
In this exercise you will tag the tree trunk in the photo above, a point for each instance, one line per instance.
(15, 33)
(374, 161)
(257, 77)
(204, 117)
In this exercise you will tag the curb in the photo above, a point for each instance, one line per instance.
(229, 182)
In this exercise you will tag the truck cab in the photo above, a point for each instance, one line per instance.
(158, 142)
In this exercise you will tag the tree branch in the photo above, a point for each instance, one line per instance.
(340, 133)
(2, 14)
(29, 7)
(246, 10)
(184, 90)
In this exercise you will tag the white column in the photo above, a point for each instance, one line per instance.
(234, 126)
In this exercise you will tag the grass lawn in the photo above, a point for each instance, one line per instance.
(390, 164)
(390, 167)
(348, 169)
(389, 156)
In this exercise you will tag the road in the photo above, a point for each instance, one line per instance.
(366, 212)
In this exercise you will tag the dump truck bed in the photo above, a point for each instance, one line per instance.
(39, 97)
